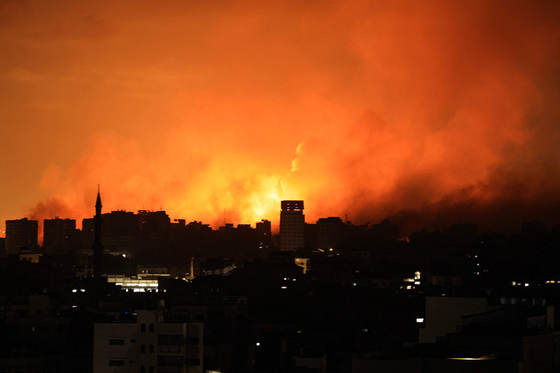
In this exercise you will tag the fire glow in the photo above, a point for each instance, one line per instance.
(425, 113)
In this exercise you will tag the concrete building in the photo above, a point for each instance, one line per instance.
(57, 234)
(148, 345)
(444, 315)
(20, 233)
(264, 234)
(329, 232)
(292, 225)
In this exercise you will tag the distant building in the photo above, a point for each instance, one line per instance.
(154, 225)
(292, 226)
(2, 247)
(20, 233)
(57, 234)
(264, 234)
(148, 345)
(444, 315)
(217, 267)
(329, 232)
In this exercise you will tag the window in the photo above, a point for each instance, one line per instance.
(151, 349)
(194, 341)
(152, 328)
(116, 363)
(143, 349)
(193, 361)
(133, 340)
(151, 369)
(142, 369)
(143, 327)
(116, 342)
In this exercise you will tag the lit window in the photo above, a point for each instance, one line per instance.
(419, 320)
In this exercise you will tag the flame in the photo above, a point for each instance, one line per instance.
(426, 113)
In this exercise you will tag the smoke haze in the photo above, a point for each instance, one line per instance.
(428, 113)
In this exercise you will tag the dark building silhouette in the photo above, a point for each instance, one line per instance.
(154, 224)
(264, 234)
(292, 226)
(20, 233)
(329, 232)
(385, 231)
(97, 245)
(57, 235)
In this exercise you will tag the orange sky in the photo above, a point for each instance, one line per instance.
(429, 113)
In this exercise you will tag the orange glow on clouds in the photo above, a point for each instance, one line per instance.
(427, 113)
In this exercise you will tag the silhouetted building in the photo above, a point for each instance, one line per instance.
(57, 234)
(292, 226)
(264, 234)
(154, 224)
(329, 232)
(534, 229)
(20, 233)
(385, 231)
(2, 247)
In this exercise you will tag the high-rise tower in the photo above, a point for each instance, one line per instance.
(292, 226)
(97, 245)
(20, 233)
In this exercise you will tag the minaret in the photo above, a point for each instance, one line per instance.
(97, 246)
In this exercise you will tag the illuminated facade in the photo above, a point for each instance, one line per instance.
(292, 225)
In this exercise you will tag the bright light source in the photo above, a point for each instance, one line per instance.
(416, 282)
(258, 343)
(513, 283)
(284, 287)
(419, 320)
(74, 290)
(526, 284)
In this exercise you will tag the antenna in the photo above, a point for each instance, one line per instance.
(224, 217)
(97, 188)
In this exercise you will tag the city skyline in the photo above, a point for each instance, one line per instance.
(421, 113)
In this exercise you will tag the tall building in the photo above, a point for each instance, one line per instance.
(292, 225)
(20, 233)
(57, 234)
(264, 234)
(329, 232)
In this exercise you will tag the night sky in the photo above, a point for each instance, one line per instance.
(429, 113)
